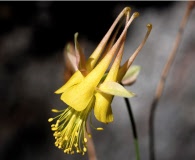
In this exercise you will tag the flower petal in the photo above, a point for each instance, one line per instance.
(78, 96)
(115, 88)
(76, 78)
(131, 75)
(102, 108)
(79, 53)
(70, 57)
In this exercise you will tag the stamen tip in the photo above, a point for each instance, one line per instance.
(100, 129)
(85, 149)
(50, 119)
(54, 128)
(54, 110)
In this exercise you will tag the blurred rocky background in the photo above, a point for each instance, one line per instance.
(32, 38)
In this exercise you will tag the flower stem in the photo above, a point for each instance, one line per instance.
(164, 75)
(91, 148)
(136, 144)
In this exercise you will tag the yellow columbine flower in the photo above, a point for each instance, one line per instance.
(90, 87)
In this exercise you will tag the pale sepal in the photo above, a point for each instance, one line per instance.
(115, 89)
(79, 52)
(131, 75)
(70, 57)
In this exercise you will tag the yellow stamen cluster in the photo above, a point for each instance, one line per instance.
(70, 130)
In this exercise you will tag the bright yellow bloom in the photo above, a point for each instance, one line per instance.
(90, 87)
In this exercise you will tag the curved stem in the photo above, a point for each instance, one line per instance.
(164, 74)
(135, 137)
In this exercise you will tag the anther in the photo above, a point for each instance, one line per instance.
(100, 129)
(55, 110)
(54, 128)
(50, 119)
(76, 134)
(65, 151)
(84, 149)
(56, 144)
(66, 138)
(85, 140)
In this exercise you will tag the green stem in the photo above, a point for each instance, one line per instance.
(136, 144)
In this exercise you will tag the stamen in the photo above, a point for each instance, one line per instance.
(56, 111)
(69, 130)
(54, 128)
(100, 129)
(85, 149)
(96, 128)
(50, 119)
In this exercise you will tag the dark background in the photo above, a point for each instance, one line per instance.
(54, 23)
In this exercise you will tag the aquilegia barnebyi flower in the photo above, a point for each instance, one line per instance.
(91, 87)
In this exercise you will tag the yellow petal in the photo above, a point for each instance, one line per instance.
(102, 108)
(115, 88)
(78, 96)
(97, 73)
(76, 78)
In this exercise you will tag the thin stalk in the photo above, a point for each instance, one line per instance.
(135, 137)
(164, 74)
(91, 148)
